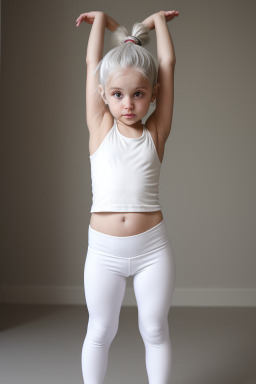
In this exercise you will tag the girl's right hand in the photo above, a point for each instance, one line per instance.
(87, 17)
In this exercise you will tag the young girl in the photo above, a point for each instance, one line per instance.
(127, 235)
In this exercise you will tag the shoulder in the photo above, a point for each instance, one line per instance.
(98, 124)
(153, 126)
(158, 141)
(99, 131)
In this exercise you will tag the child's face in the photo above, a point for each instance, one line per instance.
(128, 92)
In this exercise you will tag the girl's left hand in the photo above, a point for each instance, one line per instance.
(169, 15)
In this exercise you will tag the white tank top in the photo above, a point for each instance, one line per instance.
(125, 173)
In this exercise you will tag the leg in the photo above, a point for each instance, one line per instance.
(153, 287)
(104, 292)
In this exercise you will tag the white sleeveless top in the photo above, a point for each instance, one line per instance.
(125, 173)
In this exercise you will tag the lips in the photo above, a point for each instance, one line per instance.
(129, 115)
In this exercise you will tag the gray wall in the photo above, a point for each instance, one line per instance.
(207, 183)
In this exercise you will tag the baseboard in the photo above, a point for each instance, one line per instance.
(182, 296)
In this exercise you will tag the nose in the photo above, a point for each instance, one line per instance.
(128, 103)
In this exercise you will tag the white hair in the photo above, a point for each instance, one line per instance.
(128, 54)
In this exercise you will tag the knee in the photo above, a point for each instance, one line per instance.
(154, 333)
(100, 333)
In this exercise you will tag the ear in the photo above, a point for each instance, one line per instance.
(102, 93)
(154, 92)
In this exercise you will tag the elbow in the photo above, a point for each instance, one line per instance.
(169, 62)
(88, 60)
(92, 62)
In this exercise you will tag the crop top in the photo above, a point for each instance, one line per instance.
(125, 173)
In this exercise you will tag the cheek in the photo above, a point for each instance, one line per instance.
(114, 107)
(145, 104)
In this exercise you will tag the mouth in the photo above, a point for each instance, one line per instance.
(129, 115)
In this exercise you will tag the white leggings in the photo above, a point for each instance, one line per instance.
(148, 257)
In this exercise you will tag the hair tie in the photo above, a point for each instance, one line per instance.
(137, 41)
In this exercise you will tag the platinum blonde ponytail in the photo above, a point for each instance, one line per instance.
(139, 30)
(119, 35)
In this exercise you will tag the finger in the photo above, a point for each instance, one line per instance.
(80, 19)
(172, 12)
(81, 16)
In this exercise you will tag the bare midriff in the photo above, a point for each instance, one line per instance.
(124, 223)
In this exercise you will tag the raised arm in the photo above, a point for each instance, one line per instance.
(162, 116)
(95, 106)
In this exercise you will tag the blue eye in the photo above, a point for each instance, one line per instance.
(117, 93)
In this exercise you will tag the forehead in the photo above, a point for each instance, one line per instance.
(128, 77)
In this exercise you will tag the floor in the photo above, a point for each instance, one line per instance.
(42, 344)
